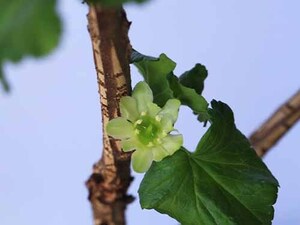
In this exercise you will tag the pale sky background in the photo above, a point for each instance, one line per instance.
(50, 128)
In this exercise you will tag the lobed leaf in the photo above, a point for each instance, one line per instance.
(27, 28)
(222, 182)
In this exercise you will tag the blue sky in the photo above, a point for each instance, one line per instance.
(50, 124)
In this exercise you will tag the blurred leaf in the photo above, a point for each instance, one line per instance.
(223, 182)
(194, 78)
(3, 80)
(27, 28)
(114, 2)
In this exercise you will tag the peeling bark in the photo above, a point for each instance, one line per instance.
(108, 184)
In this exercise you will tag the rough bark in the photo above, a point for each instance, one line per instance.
(277, 125)
(110, 179)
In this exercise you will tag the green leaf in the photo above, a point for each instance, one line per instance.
(194, 78)
(155, 71)
(137, 57)
(222, 182)
(158, 73)
(27, 28)
(114, 2)
(3, 80)
(189, 97)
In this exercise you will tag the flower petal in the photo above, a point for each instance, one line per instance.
(143, 95)
(119, 128)
(129, 144)
(159, 153)
(172, 143)
(153, 109)
(171, 109)
(141, 160)
(128, 108)
(167, 124)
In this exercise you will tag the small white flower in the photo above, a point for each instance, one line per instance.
(145, 127)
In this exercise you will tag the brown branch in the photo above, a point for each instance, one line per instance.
(108, 184)
(277, 125)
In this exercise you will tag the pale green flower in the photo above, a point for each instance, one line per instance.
(145, 127)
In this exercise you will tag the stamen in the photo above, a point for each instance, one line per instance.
(158, 118)
(139, 121)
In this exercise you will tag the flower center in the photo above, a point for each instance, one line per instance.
(147, 130)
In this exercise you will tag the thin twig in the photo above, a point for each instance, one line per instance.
(276, 126)
(108, 184)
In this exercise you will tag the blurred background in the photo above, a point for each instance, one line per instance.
(50, 124)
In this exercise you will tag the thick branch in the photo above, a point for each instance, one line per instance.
(277, 125)
(109, 182)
